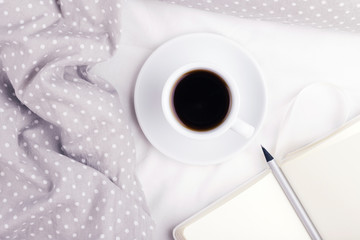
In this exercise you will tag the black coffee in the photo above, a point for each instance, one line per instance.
(201, 100)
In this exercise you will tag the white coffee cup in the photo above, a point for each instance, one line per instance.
(230, 122)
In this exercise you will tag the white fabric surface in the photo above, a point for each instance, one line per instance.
(290, 57)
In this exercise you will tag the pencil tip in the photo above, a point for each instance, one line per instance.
(267, 155)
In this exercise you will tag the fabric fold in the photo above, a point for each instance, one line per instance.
(67, 157)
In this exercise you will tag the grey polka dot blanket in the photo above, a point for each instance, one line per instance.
(340, 15)
(66, 151)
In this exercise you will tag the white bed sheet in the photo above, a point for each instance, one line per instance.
(291, 58)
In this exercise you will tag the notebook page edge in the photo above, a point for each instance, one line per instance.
(178, 231)
(342, 130)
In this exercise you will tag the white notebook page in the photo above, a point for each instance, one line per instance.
(260, 212)
(326, 178)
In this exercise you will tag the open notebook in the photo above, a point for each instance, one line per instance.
(326, 178)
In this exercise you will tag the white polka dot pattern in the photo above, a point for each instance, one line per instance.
(327, 14)
(66, 152)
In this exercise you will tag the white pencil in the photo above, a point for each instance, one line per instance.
(290, 194)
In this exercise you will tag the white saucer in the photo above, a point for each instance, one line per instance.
(204, 47)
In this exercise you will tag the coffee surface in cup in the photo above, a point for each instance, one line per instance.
(201, 100)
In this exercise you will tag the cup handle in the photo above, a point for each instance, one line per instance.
(243, 128)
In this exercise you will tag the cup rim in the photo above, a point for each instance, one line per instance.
(169, 111)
